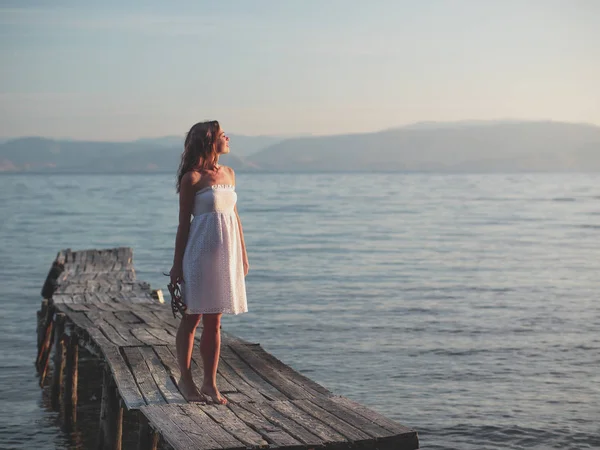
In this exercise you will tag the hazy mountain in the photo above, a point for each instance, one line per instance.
(240, 145)
(461, 146)
(495, 146)
(40, 154)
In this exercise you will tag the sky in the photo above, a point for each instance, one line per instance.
(121, 70)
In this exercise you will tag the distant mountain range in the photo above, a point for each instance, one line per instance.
(498, 146)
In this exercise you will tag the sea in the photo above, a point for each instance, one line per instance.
(465, 306)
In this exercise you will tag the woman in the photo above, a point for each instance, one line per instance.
(210, 259)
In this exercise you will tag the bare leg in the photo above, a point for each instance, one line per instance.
(184, 343)
(210, 349)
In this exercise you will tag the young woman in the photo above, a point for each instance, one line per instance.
(210, 259)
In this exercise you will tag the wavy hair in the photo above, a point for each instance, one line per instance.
(199, 149)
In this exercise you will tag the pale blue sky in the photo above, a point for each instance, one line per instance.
(119, 70)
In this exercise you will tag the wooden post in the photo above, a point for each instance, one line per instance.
(41, 324)
(59, 360)
(111, 416)
(44, 354)
(147, 437)
(71, 379)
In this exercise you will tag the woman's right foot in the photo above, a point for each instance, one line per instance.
(190, 391)
(212, 395)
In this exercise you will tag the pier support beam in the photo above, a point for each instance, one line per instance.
(69, 401)
(46, 332)
(147, 437)
(59, 360)
(111, 416)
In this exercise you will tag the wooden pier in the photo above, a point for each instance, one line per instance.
(92, 300)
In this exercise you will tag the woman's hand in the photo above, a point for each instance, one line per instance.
(246, 267)
(176, 274)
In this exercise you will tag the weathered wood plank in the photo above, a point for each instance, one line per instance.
(233, 425)
(290, 389)
(143, 377)
(198, 372)
(170, 430)
(208, 425)
(246, 372)
(124, 331)
(202, 440)
(161, 377)
(238, 383)
(161, 335)
(348, 431)
(349, 416)
(290, 373)
(285, 423)
(127, 317)
(272, 433)
(144, 336)
(111, 333)
(168, 360)
(317, 427)
(371, 415)
(78, 307)
(128, 388)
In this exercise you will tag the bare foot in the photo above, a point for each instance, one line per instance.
(213, 395)
(190, 392)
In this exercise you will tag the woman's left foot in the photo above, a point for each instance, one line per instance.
(212, 394)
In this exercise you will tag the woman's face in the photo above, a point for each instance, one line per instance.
(222, 143)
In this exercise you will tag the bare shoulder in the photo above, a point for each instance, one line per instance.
(190, 179)
(230, 172)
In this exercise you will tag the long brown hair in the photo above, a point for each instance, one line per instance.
(199, 149)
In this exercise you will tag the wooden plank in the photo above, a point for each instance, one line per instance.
(348, 431)
(127, 317)
(233, 425)
(162, 335)
(167, 317)
(272, 433)
(198, 372)
(301, 417)
(79, 319)
(169, 430)
(247, 373)
(290, 389)
(202, 439)
(293, 428)
(128, 388)
(208, 425)
(290, 373)
(371, 415)
(111, 333)
(349, 416)
(237, 382)
(124, 331)
(142, 335)
(97, 315)
(238, 397)
(161, 377)
(143, 377)
(77, 307)
(168, 360)
(62, 298)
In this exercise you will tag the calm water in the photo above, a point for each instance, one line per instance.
(465, 306)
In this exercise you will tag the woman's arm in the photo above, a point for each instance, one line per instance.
(186, 202)
(244, 253)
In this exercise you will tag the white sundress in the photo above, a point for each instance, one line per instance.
(213, 270)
